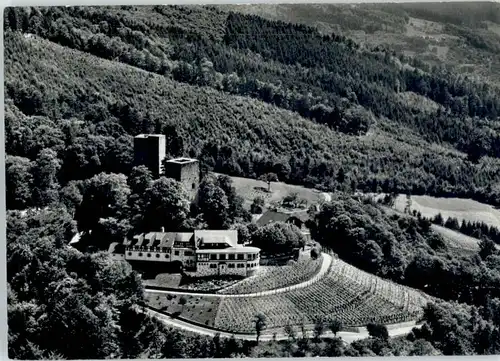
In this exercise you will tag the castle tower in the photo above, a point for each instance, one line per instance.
(185, 171)
(150, 151)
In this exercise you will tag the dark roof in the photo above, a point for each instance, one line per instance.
(116, 248)
(276, 216)
(158, 239)
(230, 237)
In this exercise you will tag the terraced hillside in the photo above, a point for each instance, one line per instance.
(273, 277)
(345, 293)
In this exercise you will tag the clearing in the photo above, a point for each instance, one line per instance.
(249, 189)
(462, 209)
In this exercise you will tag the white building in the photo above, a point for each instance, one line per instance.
(206, 252)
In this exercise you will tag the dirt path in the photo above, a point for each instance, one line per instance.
(346, 336)
(327, 261)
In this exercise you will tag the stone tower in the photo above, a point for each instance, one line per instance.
(185, 171)
(150, 151)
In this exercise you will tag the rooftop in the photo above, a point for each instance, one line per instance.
(223, 236)
(229, 250)
(282, 216)
(159, 239)
(182, 160)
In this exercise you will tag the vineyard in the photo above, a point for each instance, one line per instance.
(273, 277)
(345, 293)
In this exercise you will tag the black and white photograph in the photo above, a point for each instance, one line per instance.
(252, 180)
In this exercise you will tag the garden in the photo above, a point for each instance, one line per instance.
(193, 308)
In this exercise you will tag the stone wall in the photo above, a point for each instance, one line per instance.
(206, 269)
(190, 176)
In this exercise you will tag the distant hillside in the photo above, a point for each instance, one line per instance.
(462, 35)
(321, 111)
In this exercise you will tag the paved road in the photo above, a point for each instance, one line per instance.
(346, 336)
(327, 261)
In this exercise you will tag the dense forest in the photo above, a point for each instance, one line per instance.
(321, 111)
(343, 100)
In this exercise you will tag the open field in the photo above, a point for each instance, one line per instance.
(459, 242)
(197, 309)
(462, 209)
(252, 188)
(273, 277)
(345, 293)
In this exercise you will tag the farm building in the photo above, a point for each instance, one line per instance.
(205, 252)
(298, 218)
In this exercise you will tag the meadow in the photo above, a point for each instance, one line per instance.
(462, 209)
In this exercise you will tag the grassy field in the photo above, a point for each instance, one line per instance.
(462, 209)
(176, 280)
(198, 309)
(249, 189)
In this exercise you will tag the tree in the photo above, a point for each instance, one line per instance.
(18, 182)
(182, 302)
(45, 173)
(260, 324)
(140, 180)
(290, 331)
(315, 252)
(268, 178)
(335, 326)
(166, 204)
(278, 237)
(487, 248)
(71, 195)
(214, 205)
(257, 205)
(103, 211)
(319, 328)
(378, 331)
(235, 202)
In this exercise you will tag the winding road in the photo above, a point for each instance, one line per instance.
(280, 335)
(327, 261)
(268, 335)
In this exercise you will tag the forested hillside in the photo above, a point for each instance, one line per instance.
(247, 96)
(318, 111)
(463, 36)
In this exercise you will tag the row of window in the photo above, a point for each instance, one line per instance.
(176, 253)
(224, 257)
(163, 250)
